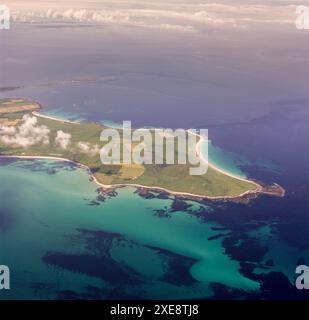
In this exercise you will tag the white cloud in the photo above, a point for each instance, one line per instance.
(181, 16)
(87, 148)
(178, 20)
(63, 139)
(25, 135)
(7, 130)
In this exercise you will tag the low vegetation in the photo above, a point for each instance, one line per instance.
(171, 177)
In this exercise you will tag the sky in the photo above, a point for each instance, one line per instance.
(178, 15)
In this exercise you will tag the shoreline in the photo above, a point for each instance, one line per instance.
(116, 186)
(40, 115)
(258, 190)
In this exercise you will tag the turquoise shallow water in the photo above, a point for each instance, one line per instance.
(227, 161)
(60, 114)
(46, 202)
(61, 240)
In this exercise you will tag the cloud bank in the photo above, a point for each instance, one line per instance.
(177, 15)
(25, 135)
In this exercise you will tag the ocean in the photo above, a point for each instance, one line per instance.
(63, 241)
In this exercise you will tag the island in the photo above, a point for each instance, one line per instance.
(26, 133)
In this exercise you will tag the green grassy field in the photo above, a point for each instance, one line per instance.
(9, 106)
(171, 177)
